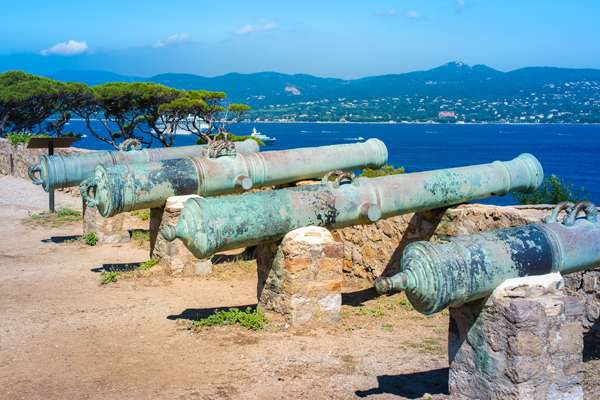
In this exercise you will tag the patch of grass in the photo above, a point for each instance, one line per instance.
(140, 235)
(61, 217)
(249, 318)
(143, 215)
(109, 277)
(90, 238)
(372, 312)
(146, 265)
(387, 327)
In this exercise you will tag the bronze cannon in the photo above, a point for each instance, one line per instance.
(133, 186)
(209, 225)
(61, 171)
(439, 275)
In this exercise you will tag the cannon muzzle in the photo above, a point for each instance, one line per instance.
(209, 225)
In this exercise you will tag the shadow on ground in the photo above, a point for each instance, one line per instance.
(248, 254)
(356, 299)
(412, 386)
(61, 239)
(124, 267)
(194, 314)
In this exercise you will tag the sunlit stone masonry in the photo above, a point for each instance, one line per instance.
(301, 278)
(524, 341)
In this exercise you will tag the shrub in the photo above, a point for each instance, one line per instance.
(90, 238)
(552, 191)
(383, 171)
(108, 277)
(250, 319)
(17, 138)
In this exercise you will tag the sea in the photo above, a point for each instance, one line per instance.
(570, 152)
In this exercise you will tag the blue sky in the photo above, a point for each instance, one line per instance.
(345, 39)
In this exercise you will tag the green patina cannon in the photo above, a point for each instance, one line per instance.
(58, 171)
(208, 225)
(436, 276)
(128, 187)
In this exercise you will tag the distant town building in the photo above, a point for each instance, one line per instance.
(447, 114)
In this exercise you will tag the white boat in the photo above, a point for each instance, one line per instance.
(261, 136)
(181, 130)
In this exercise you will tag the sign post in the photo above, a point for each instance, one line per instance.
(51, 143)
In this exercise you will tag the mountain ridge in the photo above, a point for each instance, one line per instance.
(453, 79)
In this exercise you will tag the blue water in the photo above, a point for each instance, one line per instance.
(568, 151)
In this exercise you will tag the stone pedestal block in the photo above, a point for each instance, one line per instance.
(301, 278)
(174, 255)
(523, 342)
(586, 286)
(108, 230)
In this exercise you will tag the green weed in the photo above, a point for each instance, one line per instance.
(109, 277)
(146, 265)
(90, 238)
(143, 215)
(250, 319)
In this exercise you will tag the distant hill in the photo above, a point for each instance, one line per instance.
(451, 80)
(92, 77)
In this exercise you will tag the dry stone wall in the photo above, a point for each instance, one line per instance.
(373, 250)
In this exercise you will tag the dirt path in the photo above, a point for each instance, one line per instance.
(65, 336)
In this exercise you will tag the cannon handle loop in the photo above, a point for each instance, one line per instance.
(32, 170)
(562, 206)
(341, 177)
(85, 187)
(130, 144)
(590, 210)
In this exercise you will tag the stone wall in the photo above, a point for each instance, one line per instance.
(373, 250)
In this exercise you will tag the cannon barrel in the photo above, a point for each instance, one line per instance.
(436, 276)
(60, 171)
(128, 187)
(208, 225)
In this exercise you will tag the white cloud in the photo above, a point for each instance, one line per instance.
(69, 48)
(171, 40)
(249, 28)
(412, 14)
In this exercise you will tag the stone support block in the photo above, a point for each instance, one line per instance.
(108, 230)
(523, 342)
(174, 255)
(301, 278)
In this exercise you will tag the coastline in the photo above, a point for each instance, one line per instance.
(422, 123)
